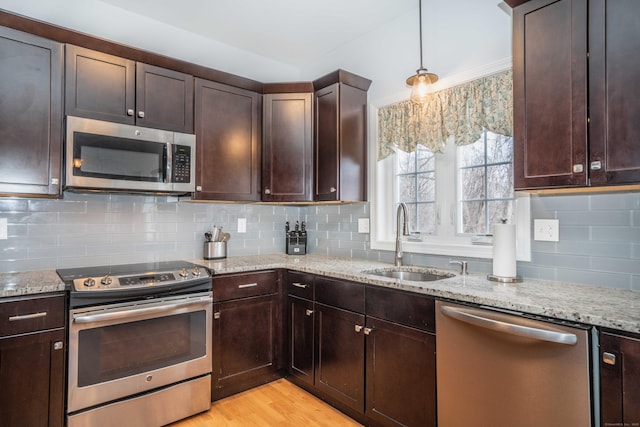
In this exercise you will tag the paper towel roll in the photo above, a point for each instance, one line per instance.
(504, 250)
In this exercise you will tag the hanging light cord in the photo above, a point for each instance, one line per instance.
(420, 22)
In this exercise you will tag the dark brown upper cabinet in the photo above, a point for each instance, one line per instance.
(107, 87)
(31, 70)
(576, 97)
(228, 123)
(340, 137)
(287, 147)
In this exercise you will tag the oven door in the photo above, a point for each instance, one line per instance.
(119, 350)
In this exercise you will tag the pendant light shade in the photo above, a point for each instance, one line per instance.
(420, 81)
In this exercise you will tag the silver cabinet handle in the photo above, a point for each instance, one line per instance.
(367, 331)
(130, 112)
(609, 358)
(332, 190)
(248, 285)
(141, 114)
(58, 345)
(308, 312)
(359, 328)
(509, 328)
(300, 285)
(27, 316)
(216, 315)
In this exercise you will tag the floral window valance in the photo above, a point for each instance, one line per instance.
(460, 112)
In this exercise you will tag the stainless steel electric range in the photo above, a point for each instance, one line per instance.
(139, 343)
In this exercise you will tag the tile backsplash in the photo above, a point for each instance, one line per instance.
(599, 234)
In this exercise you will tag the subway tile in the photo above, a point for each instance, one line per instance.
(13, 205)
(573, 232)
(635, 283)
(37, 205)
(533, 271)
(561, 260)
(11, 266)
(586, 277)
(565, 202)
(615, 201)
(594, 218)
(615, 234)
(615, 265)
(594, 249)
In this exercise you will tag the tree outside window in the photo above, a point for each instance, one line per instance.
(416, 187)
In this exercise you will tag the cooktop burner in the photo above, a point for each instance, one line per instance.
(117, 282)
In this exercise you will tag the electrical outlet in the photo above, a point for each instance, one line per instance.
(363, 225)
(242, 225)
(546, 230)
(3, 228)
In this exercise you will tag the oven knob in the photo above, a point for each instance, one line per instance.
(196, 271)
(184, 272)
(89, 282)
(106, 280)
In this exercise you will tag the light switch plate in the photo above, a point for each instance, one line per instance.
(242, 225)
(3, 228)
(363, 225)
(546, 230)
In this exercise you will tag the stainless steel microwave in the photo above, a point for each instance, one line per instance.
(105, 156)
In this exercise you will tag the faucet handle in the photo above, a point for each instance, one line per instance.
(463, 266)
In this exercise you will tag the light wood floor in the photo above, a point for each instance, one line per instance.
(279, 403)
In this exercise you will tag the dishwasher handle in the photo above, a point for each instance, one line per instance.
(509, 328)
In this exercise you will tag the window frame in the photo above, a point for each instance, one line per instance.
(382, 203)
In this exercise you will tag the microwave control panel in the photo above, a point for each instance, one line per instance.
(181, 163)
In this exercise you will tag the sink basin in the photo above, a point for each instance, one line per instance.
(411, 273)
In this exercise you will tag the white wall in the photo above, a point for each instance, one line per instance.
(458, 36)
(103, 20)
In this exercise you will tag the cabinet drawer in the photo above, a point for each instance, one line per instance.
(408, 309)
(340, 293)
(300, 285)
(18, 316)
(234, 286)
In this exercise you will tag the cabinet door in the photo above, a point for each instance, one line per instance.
(164, 98)
(30, 114)
(614, 93)
(99, 86)
(619, 382)
(32, 374)
(228, 124)
(401, 375)
(340, 355)
(301, 339)
(245, 335)
(287, 147)
(550, 93)
(340, 143)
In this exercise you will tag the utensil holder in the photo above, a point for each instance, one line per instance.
(215, 250)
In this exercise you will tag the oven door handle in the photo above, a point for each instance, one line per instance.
(123, 314)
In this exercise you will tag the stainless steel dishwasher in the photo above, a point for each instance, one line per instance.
(496, 370)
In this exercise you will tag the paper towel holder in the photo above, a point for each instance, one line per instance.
(501, 279)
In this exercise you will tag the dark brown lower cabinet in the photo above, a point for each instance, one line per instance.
(400, 374)
(340, 355)
(245, 336)
(301, 347)
(619, 380)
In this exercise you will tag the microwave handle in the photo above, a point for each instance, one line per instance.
(168, 161)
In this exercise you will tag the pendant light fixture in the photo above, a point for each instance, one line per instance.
(420, 81)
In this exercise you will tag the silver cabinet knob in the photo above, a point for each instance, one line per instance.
(130, 112)
(367, 331)
(141, 114)
(267, 191)
(333, 189)
(596, 166)
(578, 168)
(358, 328)
(308, 312)
(609, 358)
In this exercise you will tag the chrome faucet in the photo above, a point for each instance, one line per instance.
(402, 209)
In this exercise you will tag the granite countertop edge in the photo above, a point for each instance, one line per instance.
(592, 305)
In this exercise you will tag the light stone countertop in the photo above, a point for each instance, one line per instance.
(594, 305)
(29, 283)
(599, 306)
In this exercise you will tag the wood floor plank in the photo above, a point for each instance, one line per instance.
(279, 403)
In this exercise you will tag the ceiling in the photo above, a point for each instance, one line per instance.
(294, 32)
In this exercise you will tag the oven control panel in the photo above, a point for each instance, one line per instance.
(121, 282)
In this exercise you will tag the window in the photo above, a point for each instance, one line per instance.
(416, 183)
(485, 183)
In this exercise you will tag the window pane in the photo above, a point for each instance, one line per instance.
(498, 211)
(472, 154)
(426, 159)
(499, 148)
(426, 187)
(500, 181)
(407, 188)
(426, 218)
(413, 218)
(472, 183)
(406, 162)
(473, 218)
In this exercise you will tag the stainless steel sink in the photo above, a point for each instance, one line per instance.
(410, 273)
